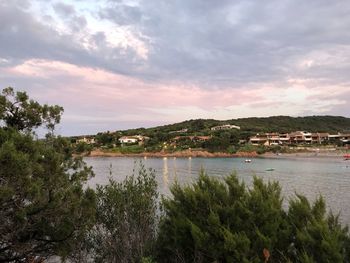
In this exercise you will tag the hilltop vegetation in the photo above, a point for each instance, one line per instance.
(255, 124)
(198, 135)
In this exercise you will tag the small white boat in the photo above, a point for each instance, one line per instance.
(248, 161)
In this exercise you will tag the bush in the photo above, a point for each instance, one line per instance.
(126, 219)
(131, 149)
(223, 221)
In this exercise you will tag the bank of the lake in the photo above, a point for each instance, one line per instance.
(179, 154)
(206, 154)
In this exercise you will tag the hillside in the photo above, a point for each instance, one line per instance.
(268, 124)
(197, 134)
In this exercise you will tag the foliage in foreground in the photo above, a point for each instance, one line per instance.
(126, 216)
(224, 221)
(43, 206)
(46, 211)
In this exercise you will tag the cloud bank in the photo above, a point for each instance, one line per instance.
(122, 64)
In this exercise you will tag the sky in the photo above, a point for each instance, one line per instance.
(119, 64)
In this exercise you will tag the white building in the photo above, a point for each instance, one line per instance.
(86, 140)
(128, 139)
(133, 139)
(225, 127)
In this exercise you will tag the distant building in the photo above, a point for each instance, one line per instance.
(345, 138)
(225, 127)
(128, 139)
(298, 137)
(192, 138)
(133, 139)
(179, 131)
(87, 140)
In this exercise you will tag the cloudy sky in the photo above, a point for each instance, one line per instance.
(117, 64)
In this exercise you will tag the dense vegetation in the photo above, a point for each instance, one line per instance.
(224, 221)
(47, 210)
(44, 209)
(179, 136)
(255, 124)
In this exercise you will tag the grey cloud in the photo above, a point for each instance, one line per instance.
(222, 43)
(22, 37)
(192, 40)
(64, 10)
(121, 14)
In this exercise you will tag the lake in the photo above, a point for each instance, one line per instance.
(308, 176)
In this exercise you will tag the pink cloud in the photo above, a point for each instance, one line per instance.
(94, 96)
(99, 86)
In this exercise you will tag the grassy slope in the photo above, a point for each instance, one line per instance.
(268, 124)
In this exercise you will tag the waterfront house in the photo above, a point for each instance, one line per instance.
(298, 137)
(259, 139)
(319, 137)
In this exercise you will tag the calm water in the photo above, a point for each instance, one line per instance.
(309, 176)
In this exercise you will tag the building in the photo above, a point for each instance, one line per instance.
(133, 139)
(319, 137)
(345, 139)
(179, 131)
(192, 138)
(87, 140)
(225, 127)
(298, 137)
(128, 139)
(268, 139)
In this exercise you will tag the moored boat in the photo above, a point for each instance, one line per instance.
(347, 156)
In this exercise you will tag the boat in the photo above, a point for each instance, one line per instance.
(248, 161)
(346, 156)
(270, 169)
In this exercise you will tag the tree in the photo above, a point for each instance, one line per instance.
(126, 219)
(21, 113)
(223, 221)
(43, 205)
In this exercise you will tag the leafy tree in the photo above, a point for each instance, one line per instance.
(105, 138)
(83, 147)
(21, 113)
(126, 219)
(43, 205)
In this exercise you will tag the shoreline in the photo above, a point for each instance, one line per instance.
(182, 154)
(206, 154)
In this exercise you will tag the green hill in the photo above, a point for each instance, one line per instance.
(268, 124)
(197, 134)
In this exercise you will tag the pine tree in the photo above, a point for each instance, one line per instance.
(43, 205)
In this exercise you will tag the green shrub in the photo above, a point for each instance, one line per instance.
(224, 221)
(126, 219)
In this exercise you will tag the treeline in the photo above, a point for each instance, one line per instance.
(255, 124)
(186, 135)
(48, 211)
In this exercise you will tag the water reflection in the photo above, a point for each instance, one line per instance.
(189, 169)
(311, 177)
(165, 174)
